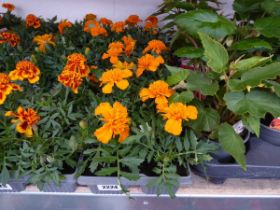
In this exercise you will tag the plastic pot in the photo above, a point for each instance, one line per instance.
(269, 134)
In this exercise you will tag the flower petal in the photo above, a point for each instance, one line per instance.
(103, 134)
(173, 126)
(107, 88)
(122, 84)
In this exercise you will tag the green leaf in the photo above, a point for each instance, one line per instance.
(253, 123)
(232, 143)
(198, 81)
(106, 171)
(245, 8)
(271, 7)
(131, 161)
(251, 44)
(205, 21)
(215, 53)
(208, 120)
(255, 103)
(73, 143)
(269, 26)
(255, 76)
(177, 74)
(4, 176)
(275, 86)
(133, 139)
(183, 97)
(189, 52)
(130, 176)
(248, 63)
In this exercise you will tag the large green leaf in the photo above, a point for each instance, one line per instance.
(255, 76)
(269, 26)
(205, 21)
(208, 120)
(177, 75)
(251, 44)
(216, 54)
(183, 97)
(272, 7)
(232, 143)
(255, 103)
(253, 123)
(189, 52)
(198, 81)
(245, 8)
(249, 63)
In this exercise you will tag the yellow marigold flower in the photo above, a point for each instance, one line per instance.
(118, 27)
(116, 77)
(9, 37)
(129, 44)
(6, 87)
(149, 63)
(156, 46)
(9, 7)
(64, 24)
(133, 20)
(175, 114)
(32, 21)
(25, 120)
(77, 62)
(113, 52)
(159, 90)
(105, 21)
(71, 79)
(25, 70)
(90, 16)
(124, 65)
(116, 122)
(151, 22)
(43, 41)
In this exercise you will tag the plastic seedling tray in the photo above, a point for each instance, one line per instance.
(69, 184)
(262, 162)
(110, 185)
(14, 185)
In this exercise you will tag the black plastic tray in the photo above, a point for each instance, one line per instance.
(262, 162)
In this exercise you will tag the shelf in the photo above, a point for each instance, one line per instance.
(233, 194)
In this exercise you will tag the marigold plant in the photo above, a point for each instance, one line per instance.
(64, 24)
(32, 21)
(8, 6)
(9, 37)
(43, 41)
(149, 63)
(6, 87)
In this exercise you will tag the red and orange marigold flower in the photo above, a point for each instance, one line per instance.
(8, 6)
(151, 23)
(118, 27)
(74, 72)
(175, 113)
(32, 21)
(158, 90)
(149, 63)
(113, 52)
(25, 70)
(90, 16)
(43, 41)
(94, 28)
(133, 20)
(116, 122)
(6, 87)
(129, 44)
(64, 24)
(9, 37)
(155, 46)
(105, 21)
(25, 120)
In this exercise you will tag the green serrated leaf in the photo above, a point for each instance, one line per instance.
(189, 52)
(177, 75)
(106, 171)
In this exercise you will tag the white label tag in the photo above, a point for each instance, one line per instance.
(238, 127)
(108, 187)
(5, 187)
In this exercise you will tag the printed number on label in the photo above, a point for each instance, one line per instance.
(109, 188)
(5, 187)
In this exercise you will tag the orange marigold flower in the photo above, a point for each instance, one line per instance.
(124, 65)
(77, 62)
(116, 77)
(98, 30)
(89, 25)
(156, 46)
(43, 41)
(71, 79)
(118, 27)
(9, 7)
(90, 16)
(151, 22)
(113, 52)
(149, 63)
(175, 114)
(129, 44)
(6, 87)
(159, 90)
(9, 37)
(26, 120)
(116, 122)
(133, 20)
(25, 70)
(64, 24)
(105, 21)
(32, 21)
